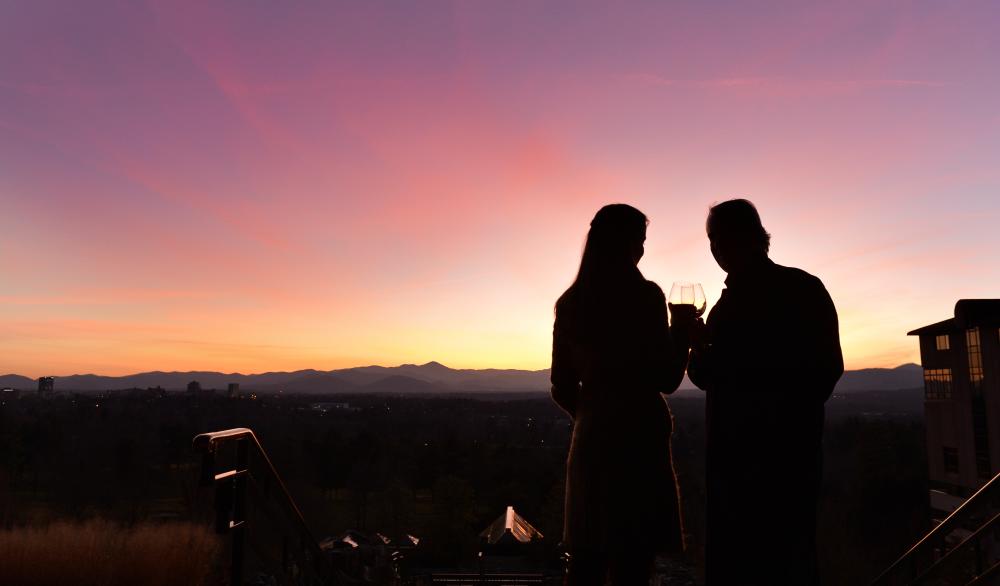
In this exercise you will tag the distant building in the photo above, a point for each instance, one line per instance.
(233, 390)
(194, 386)
(324, 407)
(961, 361)
(46, 385)
(147, 393)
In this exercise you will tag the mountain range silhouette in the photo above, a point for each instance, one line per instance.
(432, 377)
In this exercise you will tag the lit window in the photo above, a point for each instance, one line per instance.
(943, 342)
(950, 460)
(937, 384)
(975, 358)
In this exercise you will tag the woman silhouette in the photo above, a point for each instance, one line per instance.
(613, 355)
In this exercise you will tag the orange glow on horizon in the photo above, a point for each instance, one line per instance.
(191, 187)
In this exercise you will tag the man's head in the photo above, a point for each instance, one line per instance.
(736, 234)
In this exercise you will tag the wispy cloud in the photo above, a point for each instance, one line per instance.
(104, 297)
(76, 328)
(780, 85)
(54, 90)
(243, 216)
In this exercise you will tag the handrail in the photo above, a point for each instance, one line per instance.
(968, 507)
(234, 481)
(954, 552)
(206, 442)
(986, 577)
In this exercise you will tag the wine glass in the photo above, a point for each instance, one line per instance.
(687, 298)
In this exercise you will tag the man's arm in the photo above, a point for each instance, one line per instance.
(826, 362)
(701, 365)
(699, 368)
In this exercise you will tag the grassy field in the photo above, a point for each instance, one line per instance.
(101, 553)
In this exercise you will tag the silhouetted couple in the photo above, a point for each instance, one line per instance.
(768, 358)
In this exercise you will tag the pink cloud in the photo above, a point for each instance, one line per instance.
(780, 86)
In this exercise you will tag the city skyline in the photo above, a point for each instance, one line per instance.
(191, 186)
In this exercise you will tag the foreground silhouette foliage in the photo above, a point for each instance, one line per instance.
(396, 464)
(99, 552)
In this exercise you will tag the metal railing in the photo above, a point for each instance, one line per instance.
(301, 559)
(974, 559)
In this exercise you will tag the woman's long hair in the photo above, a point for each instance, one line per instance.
(607, 269)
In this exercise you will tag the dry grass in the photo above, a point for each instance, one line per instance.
(101, 553)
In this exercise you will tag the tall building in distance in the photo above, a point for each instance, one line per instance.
(961, 361)
(46, 385)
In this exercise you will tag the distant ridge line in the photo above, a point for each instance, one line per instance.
(431, 377)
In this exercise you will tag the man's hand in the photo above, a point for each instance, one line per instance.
(698, 334)
(682, 316)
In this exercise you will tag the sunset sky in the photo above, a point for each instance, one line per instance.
(253, 186)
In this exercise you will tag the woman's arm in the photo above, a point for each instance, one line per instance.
(564, 375)
(672, 345)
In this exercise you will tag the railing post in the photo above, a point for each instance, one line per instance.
(207, 477)
(240, 481)
(239, 508)
(223, 506)
(978, 548)
(284, 553)
(232, 499)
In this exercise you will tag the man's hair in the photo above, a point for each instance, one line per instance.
(739, 218)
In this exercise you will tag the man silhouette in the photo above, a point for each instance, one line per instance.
(768, 358)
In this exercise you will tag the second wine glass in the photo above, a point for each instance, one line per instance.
(683, 293)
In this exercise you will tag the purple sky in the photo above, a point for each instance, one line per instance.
(265, 186)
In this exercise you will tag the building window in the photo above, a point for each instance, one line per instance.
(950, 460)
(983, 469)
(943, 342)
(980, 425)
(937, 384)
(975, 359)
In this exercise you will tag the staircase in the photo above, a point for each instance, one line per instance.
(269, 540)
(964, 549)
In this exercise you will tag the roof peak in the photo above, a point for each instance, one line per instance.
(969, 313)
